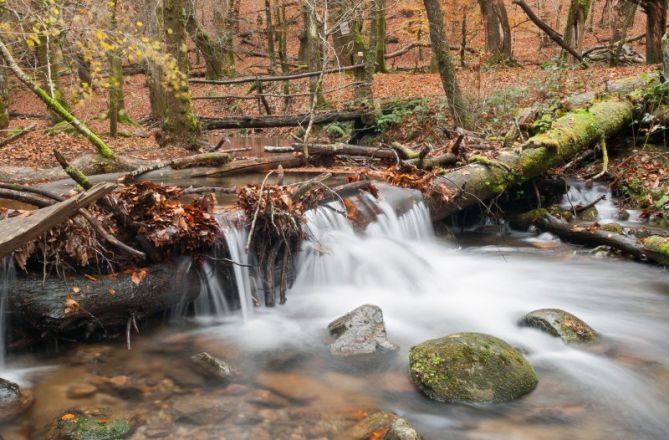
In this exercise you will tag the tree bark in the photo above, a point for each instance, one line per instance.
(656, 23)
(575, 29)
(623, 19)
(224, 22)
(211, 50)
(178, 118)
(498, 31)
(381, 38)
(116, 101)
(4, 99)
(440, 48)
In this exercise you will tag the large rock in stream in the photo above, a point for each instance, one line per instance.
(470, 367)
(89, 425)
(360, 332)
(13, 400)
(560, 324)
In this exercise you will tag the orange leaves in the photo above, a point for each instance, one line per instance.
(71, 305)
(68, 417)
(138, 276)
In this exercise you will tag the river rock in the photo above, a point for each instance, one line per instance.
(360, 332)
(13, 400)
(213, 367)
(81, 391)
(470, 367)
(372, 425)
(77, 425)
(401, 429)
(561, 324)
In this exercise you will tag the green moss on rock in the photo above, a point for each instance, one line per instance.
(470, 367)
(77, 426)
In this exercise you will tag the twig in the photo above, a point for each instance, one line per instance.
(255, 215)
(16, 136)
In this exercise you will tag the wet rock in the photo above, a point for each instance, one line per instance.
(590, 214)
(291, 386)
(401, 430)
(81, 391)
(268, 399)
(236, 389)
(375, 425)
(470, 367)
(360, 332)
(13, 400)
(185, 377)
(560, 324)
(201, 409)
(77, 425)
(212, 367)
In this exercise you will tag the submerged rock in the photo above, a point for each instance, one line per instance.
(381, 425)
(401, 429)
(77, 425)
(213, 367)
(560, 324)
(361, 331)
(470, 367)
(13, 400)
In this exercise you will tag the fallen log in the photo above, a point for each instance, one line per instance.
(16, 136)
(82, 307)
(259, 79)
(483, 178)
(593, 235)
(204, 159)
(253, 165)
(339, 149)
(21, 229)
(237, 122)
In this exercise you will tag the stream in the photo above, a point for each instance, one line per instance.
(428, 287)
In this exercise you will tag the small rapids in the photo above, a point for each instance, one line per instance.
(427, 288)
(7, 275)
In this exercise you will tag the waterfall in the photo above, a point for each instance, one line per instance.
(6, 281)
(235, 237)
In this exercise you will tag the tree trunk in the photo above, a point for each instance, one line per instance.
(498, 31)
(54, 105)
(623, 19)
(178, 120)
(211, 50)
(48, 63)
(381, 37)
(575, 29)
(656, 23)
(440, 48)
(4, 99)
(271, 36)
(224, 22)
(313, 51)
(342, 33)
(116, 101)
(152, 17)
(364, 93)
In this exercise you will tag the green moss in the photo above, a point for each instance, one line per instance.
(470, 367)
(613, 227)
(90, 428)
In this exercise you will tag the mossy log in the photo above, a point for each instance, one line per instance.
(483, 179)
(88, 307)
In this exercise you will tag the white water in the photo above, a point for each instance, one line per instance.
(428, 288)
(6, 280)
(581, 194)
(235, 238)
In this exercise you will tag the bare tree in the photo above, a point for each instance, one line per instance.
(497, 29)
(575, 29)
(440, 48)
(623, 18)
(656, 23)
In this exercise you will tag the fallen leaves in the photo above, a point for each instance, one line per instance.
(138, 276)
(71, 305)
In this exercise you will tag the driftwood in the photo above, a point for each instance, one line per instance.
(253, 165)
(99, 304)
(21, 229)
(339, 149)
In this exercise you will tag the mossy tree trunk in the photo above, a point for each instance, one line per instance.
(210, 48)
(656, 23)
(179, 120)
(575, 29)
(497, 30)
(623, 19)
(364, 92)
(440, 49)
(342, 36)
(152, 14)
(54, 105)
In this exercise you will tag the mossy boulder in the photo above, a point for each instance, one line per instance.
(78, 425)
(14, 401)
(470, 367)
(560, 324)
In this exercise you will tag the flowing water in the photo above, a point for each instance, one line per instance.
(427, 287)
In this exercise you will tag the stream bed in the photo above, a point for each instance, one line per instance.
(291, 387)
